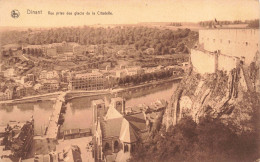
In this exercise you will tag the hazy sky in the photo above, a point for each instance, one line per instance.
(125, 11)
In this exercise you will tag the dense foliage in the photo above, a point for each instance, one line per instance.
(211, 24)
(163, 41)
(254, 24)
(210, 141)
(137, 79)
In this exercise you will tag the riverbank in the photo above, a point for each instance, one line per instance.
(30, 99)
(144, 85)
(81, 93)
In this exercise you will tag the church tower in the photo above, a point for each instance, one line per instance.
(99, 109)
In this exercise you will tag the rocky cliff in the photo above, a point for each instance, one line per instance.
(230, 97)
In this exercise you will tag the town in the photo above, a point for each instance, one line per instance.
(18, 82)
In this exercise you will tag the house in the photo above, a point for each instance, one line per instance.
(13, 47)
(52, 75)
(51, 51)
(43, 74)
(7, 94)
(37, 87)
(27, 78)
(20, 137)
(30, 77)
(25, 90)
(33, 48)
(9, 72)
(78, 49)
(49, 75)
(50, 85)
(134, 71)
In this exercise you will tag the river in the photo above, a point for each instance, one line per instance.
(79, 112)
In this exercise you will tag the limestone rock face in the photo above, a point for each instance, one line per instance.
(226, 96)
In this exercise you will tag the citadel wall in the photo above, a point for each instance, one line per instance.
(222, 49)
(231, 42)
(203, 61)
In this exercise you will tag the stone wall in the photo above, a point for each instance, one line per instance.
(209, 62)
(226, 63)
(202, 61)
(232, 42)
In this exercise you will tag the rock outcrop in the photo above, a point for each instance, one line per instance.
(229, 97)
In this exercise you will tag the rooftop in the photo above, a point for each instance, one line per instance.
(111, 127)
(127, 133)
(88, 75)
(137, 121)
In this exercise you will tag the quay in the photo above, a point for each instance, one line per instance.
(43, 97)
(82, 93)
(131, 88)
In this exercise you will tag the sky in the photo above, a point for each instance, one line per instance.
(124, 11)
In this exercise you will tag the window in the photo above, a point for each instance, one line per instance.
(116, 145)
(214, 40)
(107, 146)
(118, 103)
(132, 148)
(246, 43)
(126, 148)
(229, 41)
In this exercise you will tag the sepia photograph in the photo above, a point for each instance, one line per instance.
(129, 81)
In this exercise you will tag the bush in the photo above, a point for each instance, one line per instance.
(210, 141)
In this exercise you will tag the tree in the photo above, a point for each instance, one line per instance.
(209, 140)
(172, 51)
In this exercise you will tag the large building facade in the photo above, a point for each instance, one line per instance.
(232, 42)
(87, 81)
(224, 49)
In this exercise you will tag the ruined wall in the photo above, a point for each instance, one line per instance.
(202, 61)
(232, 42)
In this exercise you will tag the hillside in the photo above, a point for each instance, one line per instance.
(211, 117)
(227, 97)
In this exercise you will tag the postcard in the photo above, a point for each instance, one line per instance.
(129, 80)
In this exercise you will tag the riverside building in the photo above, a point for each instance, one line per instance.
(87, 81)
